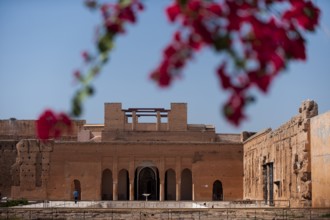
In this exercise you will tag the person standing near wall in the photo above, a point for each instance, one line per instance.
(75, 196)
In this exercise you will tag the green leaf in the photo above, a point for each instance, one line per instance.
(222, 42)
(76, 107)
(95, 70)
(89, 90)
(250, 99)
(105, 43)
(104, 58)
(91, 4)
(227, 110)
(240, 63)
(183, 3)
(124, 3)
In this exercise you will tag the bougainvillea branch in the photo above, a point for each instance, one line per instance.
(114, 17)
(257, 43)
(258, 38)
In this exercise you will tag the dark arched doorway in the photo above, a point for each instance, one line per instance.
(107, 189)
(146, 182)
(123, 185)
(170, 185)
(217, 192)
(75, 186)
(186, 185)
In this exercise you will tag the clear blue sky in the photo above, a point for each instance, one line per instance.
(41, 42)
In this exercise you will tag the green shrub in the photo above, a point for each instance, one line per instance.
(325, 215)
(17, 202)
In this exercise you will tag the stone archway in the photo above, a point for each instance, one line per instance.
(170, 185)
(186, 185)
(217, 192)
(146, 182)
(107, 185)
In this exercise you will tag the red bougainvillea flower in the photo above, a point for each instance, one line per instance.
(51, 125)
(77, 74)
(305, 13)
(172, 12)
(261, 80)
(224, 79)
(127, 14)
(86, 56)
(233, 109)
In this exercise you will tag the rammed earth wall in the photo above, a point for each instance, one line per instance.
(7, 159)
(320, 153)
(30, 172)
(13, 129)
(277, 164)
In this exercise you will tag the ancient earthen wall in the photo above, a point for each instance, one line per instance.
(13, 129)
(146, 126)
(224, 163)
(229, 138)
(30, 172)
(286, 151)
(17, 129)
(86, 162)
(8, 155)
(184, 136)
(320, 155)
(254, 150)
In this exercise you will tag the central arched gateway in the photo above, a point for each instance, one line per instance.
(146, 182)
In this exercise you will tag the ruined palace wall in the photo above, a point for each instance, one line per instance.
(320, 156)
(86, 162)
(225, 164)
(229, 138)
(7, 159)
(19, 129)
(30, 172)
(14, 129)
(144, 126)
(254, 149)
(288, 150)
(182, 136)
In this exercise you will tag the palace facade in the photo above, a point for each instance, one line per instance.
(165, 158)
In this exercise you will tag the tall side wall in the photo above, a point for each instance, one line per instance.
(286, 151)
(254, 149)
(320, 153)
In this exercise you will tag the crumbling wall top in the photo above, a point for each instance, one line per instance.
(308, 108)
